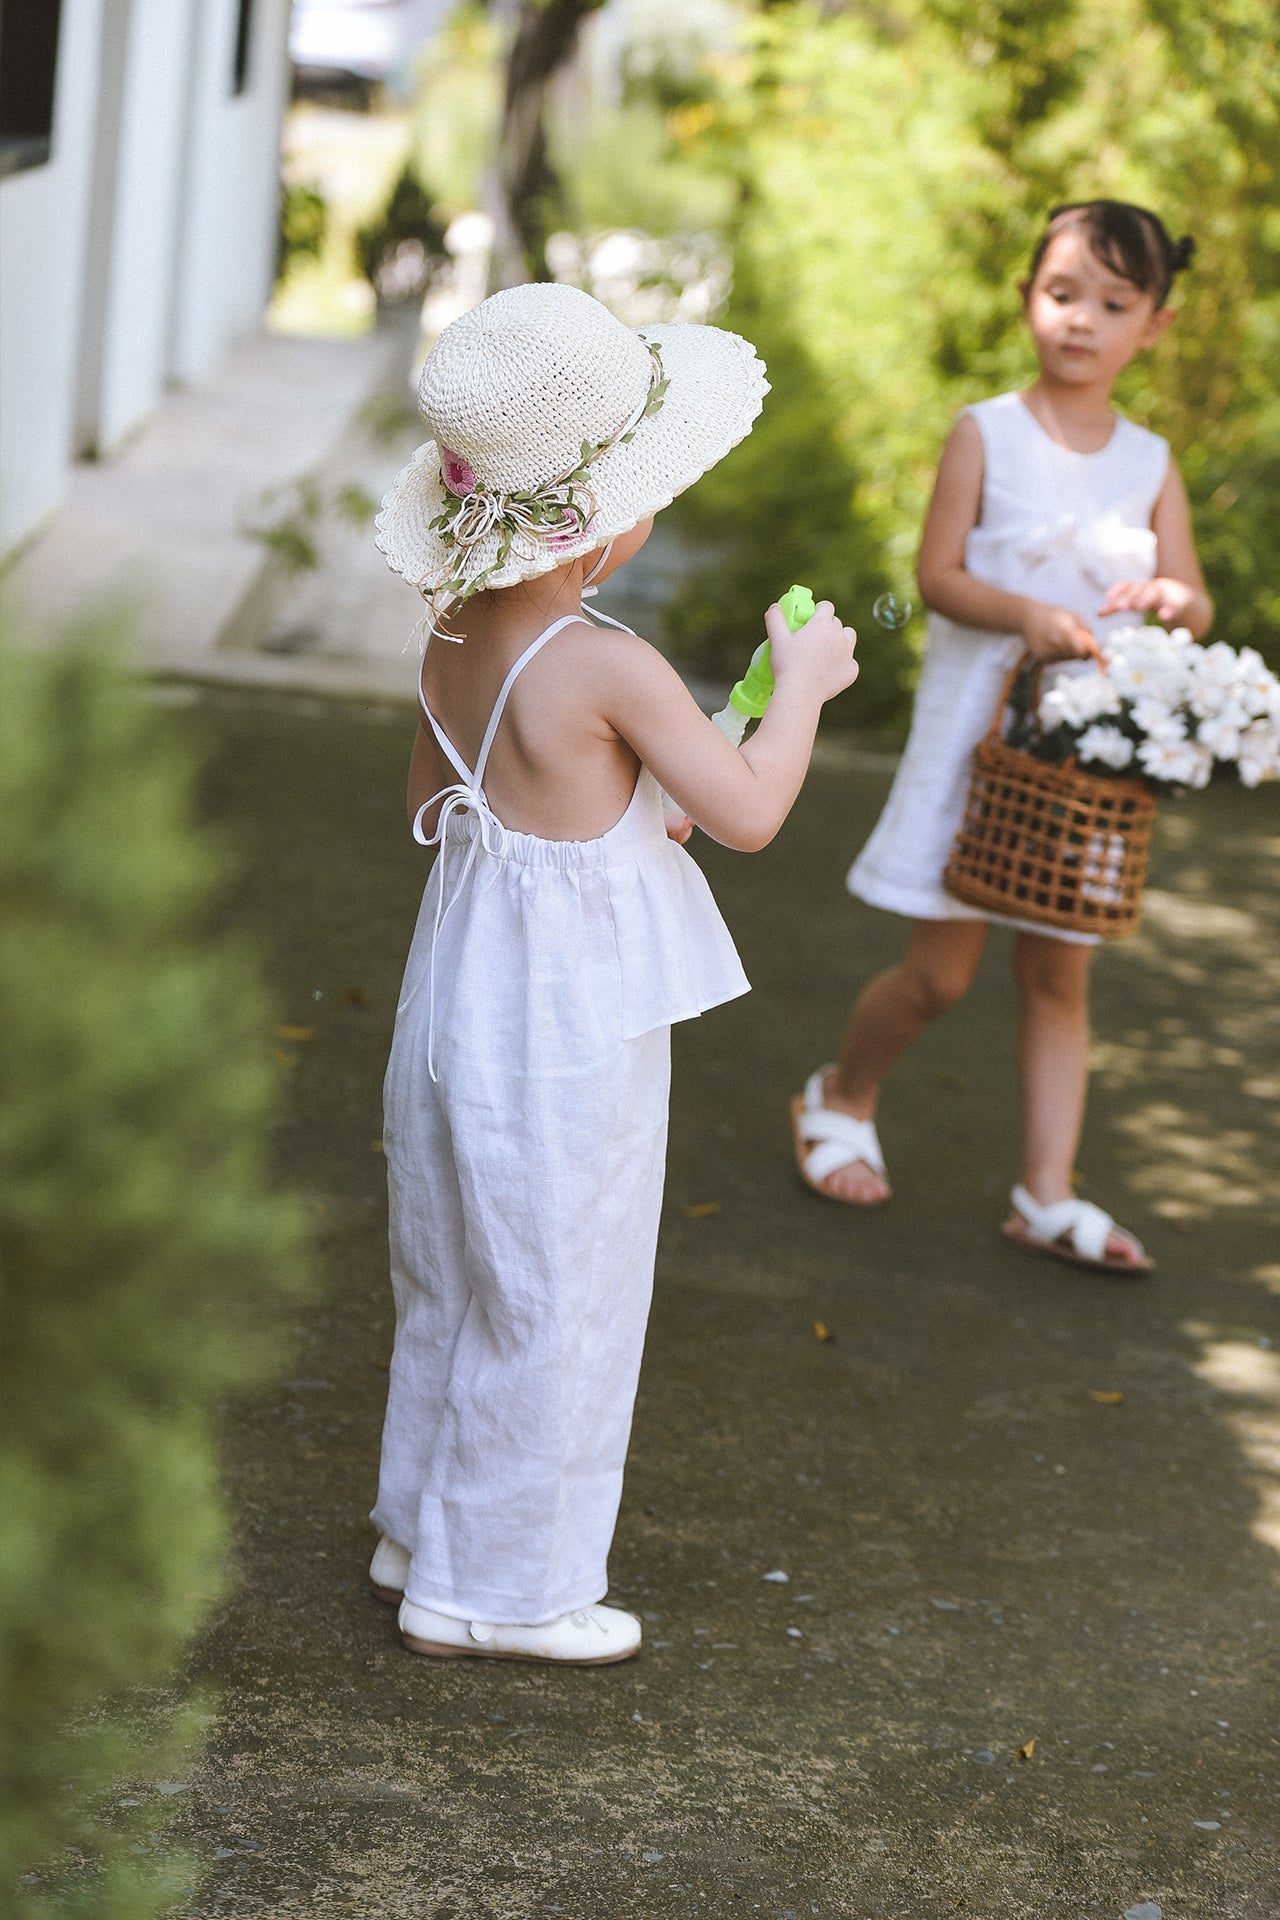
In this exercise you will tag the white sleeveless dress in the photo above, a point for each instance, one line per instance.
(525, 1134)
(1060, 526)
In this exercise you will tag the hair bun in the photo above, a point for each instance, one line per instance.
(1181, 253)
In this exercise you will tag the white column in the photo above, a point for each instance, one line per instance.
(44, 216)
(230, 214)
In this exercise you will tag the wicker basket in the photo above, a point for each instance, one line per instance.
(1053, 845)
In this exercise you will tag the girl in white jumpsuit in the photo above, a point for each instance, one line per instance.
(526, 1095)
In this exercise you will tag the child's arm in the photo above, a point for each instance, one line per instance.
(1177, 595)
(740, 796)
(1051, 633)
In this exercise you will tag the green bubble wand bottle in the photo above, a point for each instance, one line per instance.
(752, 694)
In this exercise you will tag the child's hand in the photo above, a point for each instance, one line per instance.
(819, 655)
(1055, 633)
(677, 823)
(1169, 600)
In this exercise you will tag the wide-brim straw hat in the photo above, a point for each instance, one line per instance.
(555, 428)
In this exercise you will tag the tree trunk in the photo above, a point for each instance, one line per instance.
(545, 40)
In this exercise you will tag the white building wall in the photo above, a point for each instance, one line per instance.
(147, 242)
(44, 215)
(142, 274)
(230, 214)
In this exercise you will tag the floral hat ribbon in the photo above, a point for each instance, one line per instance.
(560, 510)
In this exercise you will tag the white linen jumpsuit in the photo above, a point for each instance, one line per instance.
(525, 1134)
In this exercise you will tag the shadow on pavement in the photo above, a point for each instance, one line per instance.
(984, 1546)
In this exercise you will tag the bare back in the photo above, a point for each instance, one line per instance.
(557, 768)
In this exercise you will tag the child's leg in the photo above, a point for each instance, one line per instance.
(935, 971)
(1053, 1066)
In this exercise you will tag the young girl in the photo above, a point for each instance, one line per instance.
(1052, 517)
(561, 933)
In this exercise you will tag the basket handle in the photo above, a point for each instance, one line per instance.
(993, 731)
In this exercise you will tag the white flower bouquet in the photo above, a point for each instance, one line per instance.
(1163, 709)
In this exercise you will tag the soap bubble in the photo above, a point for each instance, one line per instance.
(891, 611)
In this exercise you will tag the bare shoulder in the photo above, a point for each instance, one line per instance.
(603, 658)
(963, 448)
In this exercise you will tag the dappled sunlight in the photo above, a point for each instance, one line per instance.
(1249, 1375)
(1191, 919)
(1193, 1079)
(1188, 1065)
(1182, 1172)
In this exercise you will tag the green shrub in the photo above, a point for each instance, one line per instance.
(399, 250)
(801, 483)
(894, 165)
(142, 1253)
(304, 223)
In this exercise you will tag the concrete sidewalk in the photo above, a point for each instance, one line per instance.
(190, 522)
(1023, 1659)
(166, 524)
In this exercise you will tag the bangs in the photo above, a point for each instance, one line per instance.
(1130, 241)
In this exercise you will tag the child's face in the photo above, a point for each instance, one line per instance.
(1087, 322)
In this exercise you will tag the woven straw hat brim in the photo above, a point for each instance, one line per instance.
(717, 388)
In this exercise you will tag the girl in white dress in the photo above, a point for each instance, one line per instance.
(561, 933)
(1052, 518)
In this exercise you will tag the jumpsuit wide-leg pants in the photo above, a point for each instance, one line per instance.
(524, 1221)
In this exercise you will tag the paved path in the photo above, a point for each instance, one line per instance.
(980, 1551)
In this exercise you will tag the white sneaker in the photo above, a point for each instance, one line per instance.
(388, 1571)
(588, 1637)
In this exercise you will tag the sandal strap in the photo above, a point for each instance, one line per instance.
(1087, 1227)
(839, 1139)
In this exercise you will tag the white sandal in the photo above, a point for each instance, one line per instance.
(1073, 1230)
(826, 1140)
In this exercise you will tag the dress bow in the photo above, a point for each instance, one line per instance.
(489, 834)
(1106, 550)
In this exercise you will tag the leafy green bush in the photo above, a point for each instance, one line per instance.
(304, 222)
(894, 165)
(801, 482)
(142, 1255)
(398, 251)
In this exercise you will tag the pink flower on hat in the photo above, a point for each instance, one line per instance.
(568, 535)
(458, 476)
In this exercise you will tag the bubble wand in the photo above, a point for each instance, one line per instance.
(749, 698)
(752, 694)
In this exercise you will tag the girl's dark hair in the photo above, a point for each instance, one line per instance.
(1131, 240)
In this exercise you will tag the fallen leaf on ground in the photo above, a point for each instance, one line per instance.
(701, 1210)
(1106, 1399)
(822, 1330)
(295, 1033)
(1027, 1748)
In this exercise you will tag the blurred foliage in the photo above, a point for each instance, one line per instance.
(892, 168)
(408, 221)
(299, 511)
(144, 1260)
(304, 219)
(619, 168)
(458, 105)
